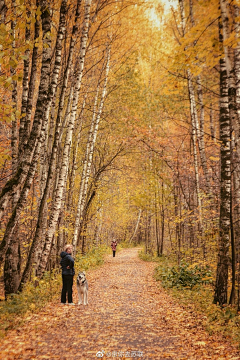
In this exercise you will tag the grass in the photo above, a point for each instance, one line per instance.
(93, 258)
(35, 297)
(199, 298)
(225, 321)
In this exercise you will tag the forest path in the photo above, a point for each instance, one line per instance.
(129, 316)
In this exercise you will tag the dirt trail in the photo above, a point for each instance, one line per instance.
(128, 317)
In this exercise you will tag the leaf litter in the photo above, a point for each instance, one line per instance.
(129, 316)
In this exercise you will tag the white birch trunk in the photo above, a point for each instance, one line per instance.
(25, 121)
(75, 151)
(237, 155)
(194, 122)
(35, 142)
(137, 225)
(52, 89)
(194, 138)
(234, 124)
(36, 135)
(230, 67)
(89, 156)
(201, 142)
(25, 85)
(212, 126)
(56, 206)
(237, 63)
(14, 137)
(42, 218)
(221, 285)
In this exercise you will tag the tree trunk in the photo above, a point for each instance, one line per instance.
(89, 155)
(201, 142)
(25, 85)
(196, 167)
(136, 227)
(177, 230)
(25, 121)
(212, 126)
(163, 222)
(74, 162)
(36, 134)
(14, 137)
(41, 224)
(195, 128)
(56, 206)
(221, 287)
(3, 10)
(11, 270)
(8, 239)
(236, 174)
(234, 121)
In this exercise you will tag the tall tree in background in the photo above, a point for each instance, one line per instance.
(38, 129)
(221, 287)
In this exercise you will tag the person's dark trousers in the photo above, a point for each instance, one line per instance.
(114, 253)
(67, 288)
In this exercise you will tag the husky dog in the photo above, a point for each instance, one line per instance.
(82, 288)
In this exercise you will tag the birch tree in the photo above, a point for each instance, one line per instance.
(39, 129)
(234, 122)
(29, 86)
(14, 137)
(42, 216)
(36, 134)
(56, 207)
(221, 286)
(236, 162)
(89, 153)
(195, 127)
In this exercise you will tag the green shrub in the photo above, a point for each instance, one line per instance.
(91, 259)
(150, 257)
(184, 275)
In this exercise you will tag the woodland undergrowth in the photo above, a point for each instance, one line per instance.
(37, 293)
(192, 286)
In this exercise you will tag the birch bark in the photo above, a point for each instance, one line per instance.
(136, 227)
(25, 85)
(200, 129)
(221, 286)
(32, 151)
(25, 123)
(89, 155)
(52, 88)
(56, 207)
(75, 151)
(41, 223)
(11, 270)
(236, 174)
(19, 177)
(201, 142)
(212, 127)
(234, 124)
(14, 137)
(194, 138)
(195, 126)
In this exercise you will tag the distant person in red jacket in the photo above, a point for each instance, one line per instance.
(114, 247)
